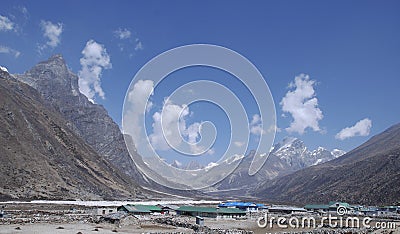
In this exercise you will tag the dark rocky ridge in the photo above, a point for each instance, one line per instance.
(59, 87)
(369, 174)
(41, 158)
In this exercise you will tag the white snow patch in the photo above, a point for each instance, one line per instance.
(234, 158)
(211, 165)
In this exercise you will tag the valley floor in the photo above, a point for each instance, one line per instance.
(77, 219)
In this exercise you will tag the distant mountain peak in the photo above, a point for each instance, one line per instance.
(298, 156)
(4, 69)
(289, 140)
(54, 80)
(57, 61)
(337, 153)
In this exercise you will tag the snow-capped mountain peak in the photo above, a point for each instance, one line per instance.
(337, 153)
(298, 156)
(4, 69)
(234, 158)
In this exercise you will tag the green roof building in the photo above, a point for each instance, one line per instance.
(211, 212)
(139, 209)
(133, 210)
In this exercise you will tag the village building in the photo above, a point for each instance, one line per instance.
(105, 210)
(286, 210)
(245, 206)
(168, 209)
(210, 212)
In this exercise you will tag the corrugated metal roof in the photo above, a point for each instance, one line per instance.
(287, 208)
(230, 211)
(148, 207)
(336, 204)
(202, 209)
(133, 209)
(316, 207)
(173, 207)
(238, 204)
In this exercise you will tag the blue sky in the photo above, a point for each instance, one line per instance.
(349, 51)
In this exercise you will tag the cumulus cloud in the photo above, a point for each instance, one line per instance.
(122, 33)
(170, 123)
(164, 126)
(95, 59)
(6, 24)
(8, 50)
(52, 32)
(193, 133)
(361, 128)
(256, 125)
(140, 93)
(302, 104)
(138, 97)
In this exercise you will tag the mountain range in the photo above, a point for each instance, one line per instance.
(285, 158)
(369, 174)
(56, 144)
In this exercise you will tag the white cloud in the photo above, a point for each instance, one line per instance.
(122, 33)
(139, 45)
(129, 42)
(239, 143)
(8, 50)
(140, 93)
(164, 126)
(138, 98)
(273, 128)
(302, 104)
(170, 123)
(95, 59)
(361, 128)
(6, 24)
(52, 32)
(193, 133)
(211, 151)
(256, 125)
(24, 11)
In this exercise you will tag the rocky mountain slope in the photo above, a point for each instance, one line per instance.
(369, 174)
(59, 87)
(41, 158)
